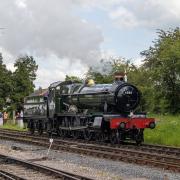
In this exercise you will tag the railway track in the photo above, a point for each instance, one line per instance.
(166, 150)
(152, 155)
(16, 169)
(9, 176)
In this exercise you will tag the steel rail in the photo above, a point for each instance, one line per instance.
(9, 176)
(40, 168)
(174, 152)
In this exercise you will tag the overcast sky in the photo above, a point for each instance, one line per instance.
(68, 36)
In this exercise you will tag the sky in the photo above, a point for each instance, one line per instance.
(69, 36)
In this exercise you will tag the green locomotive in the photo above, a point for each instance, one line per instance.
(89, 111)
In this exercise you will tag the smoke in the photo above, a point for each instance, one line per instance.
(45, 28)
(105, 65)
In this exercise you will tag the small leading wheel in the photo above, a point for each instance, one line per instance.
(138, 142)
(139, 136)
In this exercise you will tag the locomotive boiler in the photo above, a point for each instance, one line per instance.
(116, 97)
(102, 112)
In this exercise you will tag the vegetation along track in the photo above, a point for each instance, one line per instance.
(152, 155)
(16, 169)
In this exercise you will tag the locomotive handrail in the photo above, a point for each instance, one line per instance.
(92, 93)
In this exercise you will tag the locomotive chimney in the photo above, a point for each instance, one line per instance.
(119, 76)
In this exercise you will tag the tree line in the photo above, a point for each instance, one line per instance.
(158, 77)
(14, 86)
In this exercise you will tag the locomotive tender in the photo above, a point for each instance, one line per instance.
(97, 111)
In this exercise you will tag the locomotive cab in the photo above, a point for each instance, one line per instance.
(60, 95)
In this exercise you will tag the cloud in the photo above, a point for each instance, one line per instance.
(132, 13)
(21, 3)
(101, 4)
(61, 41)
(48, 27)
(123, 17)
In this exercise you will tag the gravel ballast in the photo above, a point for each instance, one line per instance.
(85, 165)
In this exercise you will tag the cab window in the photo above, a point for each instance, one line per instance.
(58, 90)
(75, 88)
(65, 89)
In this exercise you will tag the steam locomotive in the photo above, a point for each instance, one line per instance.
(103, 112)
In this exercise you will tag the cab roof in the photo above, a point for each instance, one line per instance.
(55, 84)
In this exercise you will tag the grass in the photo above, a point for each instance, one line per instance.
(10, 125)
(167, 131)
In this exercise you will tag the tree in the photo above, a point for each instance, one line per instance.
(23, 79)
(73, 78)
(5, 84)
(162, 61)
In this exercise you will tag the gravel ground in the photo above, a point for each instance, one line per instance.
(88, 166)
